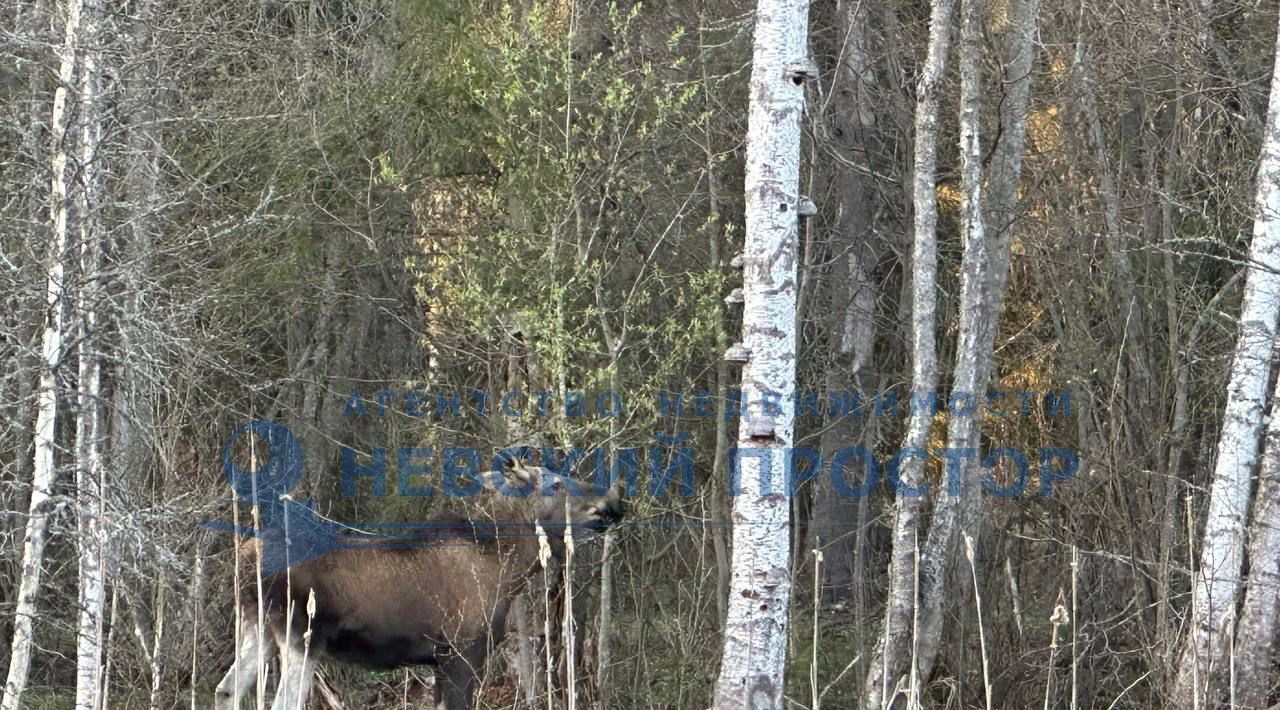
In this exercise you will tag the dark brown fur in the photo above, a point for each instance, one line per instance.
(441, 598)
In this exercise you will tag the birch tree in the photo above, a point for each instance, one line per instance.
(51, 357)
(979, 307)
(892, 655)
(90, 415)
(20, 326)
(1255, 636)
(1217, 577)
(753, 661)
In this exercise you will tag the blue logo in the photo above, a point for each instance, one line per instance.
(290, 532)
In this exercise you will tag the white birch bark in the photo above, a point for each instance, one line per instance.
(1255, 636)
(973, 353)
(1217, 578)
(892, 655)
(90, 415)
(51, 352)
(26, 303)
(753, 662)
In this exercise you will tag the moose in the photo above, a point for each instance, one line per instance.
(439, 599)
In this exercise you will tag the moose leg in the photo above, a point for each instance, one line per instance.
(457, 679)
(295, 676)
(243, 672)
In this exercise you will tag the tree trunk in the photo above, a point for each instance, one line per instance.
(953, 509)
(752, 666)
(1001, 210)
(837, 520)
(24, 302)
(1132, 314)
(716, 242)
(894, 652)
(1217, 579)
(52, 350)
(90, 490)
(135, 376)
(1255, 636)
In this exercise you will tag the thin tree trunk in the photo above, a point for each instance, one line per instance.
(753, 662)
(90, 491)
(1181, 355)
(157, 645)
(1217, 580)
(1001, 210)
(52, 350)
(109, 648)
(27, 306)
(133, 417)
(604, 634)
(894, 653)
(1132, 314)
(196, 606)
(526, 654)
(953, 509)
(715, 228)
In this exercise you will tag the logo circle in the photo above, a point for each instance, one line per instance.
(280, 473)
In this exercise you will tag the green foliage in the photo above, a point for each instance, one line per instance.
(577, 143)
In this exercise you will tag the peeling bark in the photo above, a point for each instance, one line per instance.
(753, 663)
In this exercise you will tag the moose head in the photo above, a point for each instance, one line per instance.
(532, 498)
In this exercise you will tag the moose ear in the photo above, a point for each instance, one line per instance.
(612, 498)
(500, 481)
(611, 507)
(522, 473)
